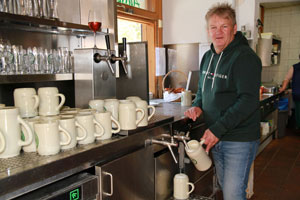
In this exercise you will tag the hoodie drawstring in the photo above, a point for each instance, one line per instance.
(208, 69)
(212, 84)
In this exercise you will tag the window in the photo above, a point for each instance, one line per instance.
(131, 30)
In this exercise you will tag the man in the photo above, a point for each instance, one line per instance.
(228, 97)
(294, 75)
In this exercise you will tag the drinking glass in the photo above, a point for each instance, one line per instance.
(94, 23)
(21, 7)
(41, 59)
(29, 7)
(36, 66)
(52, 9)
(9, 59)
(29, 61)
(47, 66)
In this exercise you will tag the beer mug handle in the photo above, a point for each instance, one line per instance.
(153, 111)
(100, 126)
(28, 130)
(2, 142)
(142, 117)
(202, 142)
(117, 124)
(64, 131)
(36, 101)
(192, 188)
(83, 130)
(63, 99)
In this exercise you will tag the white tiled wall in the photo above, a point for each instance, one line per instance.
(284, 22)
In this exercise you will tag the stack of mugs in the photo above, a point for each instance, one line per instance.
(39, 122)
(32, 123)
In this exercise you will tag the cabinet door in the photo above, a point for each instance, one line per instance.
(129, 177)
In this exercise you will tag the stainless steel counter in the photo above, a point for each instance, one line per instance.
(29, 171)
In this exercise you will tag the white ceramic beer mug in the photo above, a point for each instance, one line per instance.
(106, 120)
(27, 101)
(88, 122)
(127, 115)
(186, 98)
(49, 142)
(97, 104)
(181, 186)
(70, 124)
(32, 146)
(10, 132)
(112, 105)
(72, 111)
(49, 101)
(133, 98)
(144, 105)
(197, 154)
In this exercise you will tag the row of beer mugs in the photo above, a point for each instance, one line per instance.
(49, 133)
(131, 112)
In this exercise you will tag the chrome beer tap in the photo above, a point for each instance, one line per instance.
(98, 58)
(164, 142)
(122, 57)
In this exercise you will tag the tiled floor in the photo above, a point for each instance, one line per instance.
(277, 169)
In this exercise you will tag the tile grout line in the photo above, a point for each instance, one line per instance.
(268, 163)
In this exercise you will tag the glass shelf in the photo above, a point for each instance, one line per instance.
(54, 26)
(28, 78)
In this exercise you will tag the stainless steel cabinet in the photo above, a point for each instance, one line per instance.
(129, 177)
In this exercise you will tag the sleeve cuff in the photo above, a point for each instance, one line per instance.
(218, 129)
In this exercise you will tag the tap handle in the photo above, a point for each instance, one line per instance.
(110, 66)
(124, 43)
(171, 151)
(107, 42)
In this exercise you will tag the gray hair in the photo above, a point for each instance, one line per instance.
(223, 10)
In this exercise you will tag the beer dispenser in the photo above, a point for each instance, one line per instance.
(95, 73)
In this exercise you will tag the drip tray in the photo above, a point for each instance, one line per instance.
(195, 197)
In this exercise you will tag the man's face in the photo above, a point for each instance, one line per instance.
(221, 31)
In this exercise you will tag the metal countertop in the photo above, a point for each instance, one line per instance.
(29, 171)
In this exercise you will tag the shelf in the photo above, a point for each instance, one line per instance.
(28, 78)
(54, 26)
(263, 138)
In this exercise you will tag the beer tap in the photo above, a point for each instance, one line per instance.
(163, 142)
(122, 57)
(107, 59)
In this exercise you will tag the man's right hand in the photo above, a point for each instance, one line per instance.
(193, 113)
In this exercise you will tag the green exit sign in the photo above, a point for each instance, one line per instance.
(75, 194)
(134, 3)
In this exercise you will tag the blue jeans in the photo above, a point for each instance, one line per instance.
(233, 161)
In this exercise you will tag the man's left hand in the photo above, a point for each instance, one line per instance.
(210, 139)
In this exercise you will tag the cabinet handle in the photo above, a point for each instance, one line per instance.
(111, 184)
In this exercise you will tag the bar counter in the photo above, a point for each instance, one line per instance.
(29, 171)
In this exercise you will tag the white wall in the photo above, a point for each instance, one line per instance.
(285, 23)
(245, 15)
(184, 20)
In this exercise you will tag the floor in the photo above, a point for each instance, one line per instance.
(277, 169)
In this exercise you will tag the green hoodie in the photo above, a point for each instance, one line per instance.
(228, 91)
